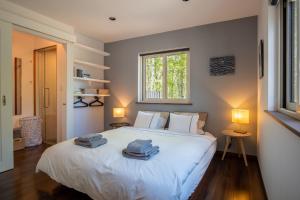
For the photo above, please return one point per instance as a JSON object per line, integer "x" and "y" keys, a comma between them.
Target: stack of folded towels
{"x": 140, "y": 149}
{"x": 91, "y": 140}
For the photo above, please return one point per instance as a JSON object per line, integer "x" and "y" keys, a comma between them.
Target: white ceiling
{"x": 139, "y": 17}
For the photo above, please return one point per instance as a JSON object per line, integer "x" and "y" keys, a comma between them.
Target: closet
{"x": 46, "y": 91}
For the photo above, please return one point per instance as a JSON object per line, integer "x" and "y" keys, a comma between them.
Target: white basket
{"x": 31, "y": 130}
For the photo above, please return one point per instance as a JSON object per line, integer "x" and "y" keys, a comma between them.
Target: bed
{"x": 103, "y": 173}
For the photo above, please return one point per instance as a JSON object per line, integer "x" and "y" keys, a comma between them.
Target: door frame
{"x": 18, "y": 17}
{"x": 65, "y": 130}
{"x": 64, "y": 75}
{"x": 65, "y": 59}
{"x": 6, "y": 90}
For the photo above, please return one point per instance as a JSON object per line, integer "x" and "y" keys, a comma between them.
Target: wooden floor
{"x": 228, "y": 179}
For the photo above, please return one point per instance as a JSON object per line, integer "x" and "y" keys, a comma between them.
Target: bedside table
{"x": 239, "y": 136}
{"x": 119, "y": 124}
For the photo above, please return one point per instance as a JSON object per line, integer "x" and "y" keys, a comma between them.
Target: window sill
{"x": 167, "y": 103}
{"x": 289, "y": 122}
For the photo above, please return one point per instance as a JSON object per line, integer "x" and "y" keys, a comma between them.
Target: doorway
{"x": 39, "y": 92}
{"x": 20, "y": 105}
{"x": 45, "y": 61}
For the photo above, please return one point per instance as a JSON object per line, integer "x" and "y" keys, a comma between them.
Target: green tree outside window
{"x": 166, "y": 76}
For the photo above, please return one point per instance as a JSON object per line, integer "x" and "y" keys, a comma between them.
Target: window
{"x": 164, "y": 77}
{"x": 290, "y": 54}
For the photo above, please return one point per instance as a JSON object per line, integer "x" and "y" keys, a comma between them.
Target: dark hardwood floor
{"x": 231, "y": 180}
{"x": 228, "y": 179}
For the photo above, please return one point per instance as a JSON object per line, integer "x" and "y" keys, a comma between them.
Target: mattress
{"x": 103, "y": 173}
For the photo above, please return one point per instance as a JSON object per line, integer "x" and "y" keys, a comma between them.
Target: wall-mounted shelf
{"x": 103, "y": 53}
{"x": 84, "y": 63}
{"x": 91, "y": 95}
{"x": 91, "y": 79}
{"x": 79, "y": 103}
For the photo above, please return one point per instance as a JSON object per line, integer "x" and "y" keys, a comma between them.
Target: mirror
{"x": 18, "y": 86}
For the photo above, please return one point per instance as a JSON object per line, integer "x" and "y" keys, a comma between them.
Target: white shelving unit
{"x": 91, "y": 80}
{"x": 78, "y": 62}
{"x": 103, "y": 53}
{"x": 88, "y": 64}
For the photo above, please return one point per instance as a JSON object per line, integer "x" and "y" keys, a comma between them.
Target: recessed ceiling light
{"x": 185, "y": 0}
{"x": 112, "y": 18}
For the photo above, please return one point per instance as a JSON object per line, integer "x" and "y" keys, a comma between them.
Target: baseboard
{"x": 261, "y": 177}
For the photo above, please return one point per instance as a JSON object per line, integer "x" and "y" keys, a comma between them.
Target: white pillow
{"x": 143, "y": 120}
{"x": 158, "y": 121}
{"x": 161, "y": 123}
{"x": 155, "y": 119}
{"x": 148, "y": 119}
{"x": 184, "y": 123}
{"x": 201, "y": 123}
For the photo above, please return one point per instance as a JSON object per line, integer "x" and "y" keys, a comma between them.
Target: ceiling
{"x": 139, "y": 17}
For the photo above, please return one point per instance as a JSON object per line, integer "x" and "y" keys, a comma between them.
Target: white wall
{"x": 278, "y": 149}
{"x": 90, "y": 119}
{"x": 23, "y": 48}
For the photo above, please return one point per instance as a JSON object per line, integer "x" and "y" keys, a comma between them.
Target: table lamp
{"x": 118, "y": 112}
{"x": 240, "y": 116}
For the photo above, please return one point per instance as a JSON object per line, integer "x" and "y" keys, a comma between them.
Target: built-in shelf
{"x": 84, "y": 63}
{"x": 91, "y": 79}
{"x": 91, "y": 95}
{"x": 103, "y": 53}
{"x": 89, "y": 64}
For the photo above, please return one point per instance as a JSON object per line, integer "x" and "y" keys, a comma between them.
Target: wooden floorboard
{"x": 224, "y": 180}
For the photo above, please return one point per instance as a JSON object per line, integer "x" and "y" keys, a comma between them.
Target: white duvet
{"x": 103, "y": 173}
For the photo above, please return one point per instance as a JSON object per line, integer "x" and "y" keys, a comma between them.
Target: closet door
{"x": 46, "y": 67}
{"x": 39, "y": 57}
{"x": 50, "y": 96}
{"x": 6, "y": 91}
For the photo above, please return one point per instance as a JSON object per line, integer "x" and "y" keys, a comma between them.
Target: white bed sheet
{"x": 103, "y": 173}
{"x": 197, "y": 174}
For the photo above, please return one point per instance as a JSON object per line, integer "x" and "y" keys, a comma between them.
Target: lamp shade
{"x": 118, "y": 112}
{"x": 240, "y": 116}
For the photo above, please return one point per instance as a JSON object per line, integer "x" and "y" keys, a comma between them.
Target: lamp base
{"x": 240, "y": 131}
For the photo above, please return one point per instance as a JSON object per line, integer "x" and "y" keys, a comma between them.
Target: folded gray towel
{"x": 90, "y": 137}
{"x": 148, "y": 152}
{"x": 137, "y": 156}
{"x": 139, "y": 146}
{"x": 92, "y": 144}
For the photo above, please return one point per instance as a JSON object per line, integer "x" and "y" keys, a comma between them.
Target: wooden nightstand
{"x": 119, "y": 124}
{"x": 239, "y": 136}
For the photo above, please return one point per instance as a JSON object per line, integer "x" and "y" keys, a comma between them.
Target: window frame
{"x": 286, "y": 105}
{"x": 142, "y": 77}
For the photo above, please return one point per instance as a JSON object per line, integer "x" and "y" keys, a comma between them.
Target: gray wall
{"x": 215, "y": 95}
